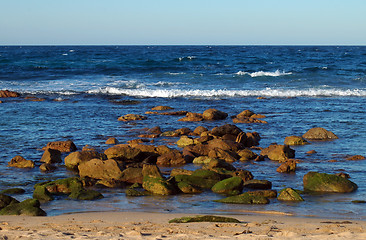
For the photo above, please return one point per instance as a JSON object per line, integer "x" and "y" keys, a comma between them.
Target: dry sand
{"x": 141, "y": 225}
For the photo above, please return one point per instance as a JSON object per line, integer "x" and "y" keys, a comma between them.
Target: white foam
{"x": 268, "y": 92}
{"x": 276, "y": 73}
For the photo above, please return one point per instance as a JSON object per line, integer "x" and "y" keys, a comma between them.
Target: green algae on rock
{"x": 323, "y": 182}
{"x": 29, "y": 207}
{"x": 289, "y": 194}
{"x": 244, "y": 198}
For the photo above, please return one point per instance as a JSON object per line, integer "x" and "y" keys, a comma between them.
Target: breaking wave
{"x": 276, "y": 73}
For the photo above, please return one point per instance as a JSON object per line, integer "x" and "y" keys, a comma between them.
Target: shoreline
{"x": 149, "y": 225}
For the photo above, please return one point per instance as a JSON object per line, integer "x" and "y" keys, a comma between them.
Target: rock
{"x": 224, "y": 145}
{"x": 42, "y": 194}
{"x": 183, "y": 131}
{"x": 8, "y": 94}
{"x": 323, "y": 182}
{"x": 176, "y": 113}
{"x": 47, "y": 167}
{"x": 155, "y": 130}
{"x": 73, "y": 160}
{"x": 192, "y": 117}
{"x": 135, "y": 193}
{"x": 355, "y": 158}
{"x": 172, "y": 158}
{"x": 20, "y": 162}
{"x": 111, "y": 140}
{"x": 289, "y": 194}
{"x": 200, "y": 178}
{"x": 226, "y": 129}
{"x": 258, "y": 184}
{"x": 86, "y": 195}
{"x": 343, "y": 175}
{"x": 101, "y": 169}
{"x": 29, "y": 207}
{"x": 230, "y": 186}
{"x": 123, "y": 152}
{"x": 248, "y": 120}
{"x": 185, "y": 187}
{"x": 6, "y": 200}
{"x": 278, "y": 152}
{"x": 199, "y": 130}
{"x": 213, "y": 114}
{"x": 132, "y": 175}
{"x": 245, "y": 113}
{"x": 243, "y": 174}
{"x": 244, "y": 198}
{"x": 62, "y": 186}
{"x": 295, "y": 140}
{"x": 180, "y": 171}
{"x": 287, "y": 167}
{"x": 157, "y": 185}
{"x": 319, "y": 134}
{"x": 161, "y": 108}
{"x": 203, "y": 160}
{"x": 185, "y": 141}
{"x": 206, "y": 218}
{"x": 311, "y": 152}
{"x": 13, "y": 191}
{"x": 264, "y": 193}
{"x": 131, "y": 117}
{"x": 246, "y": 155}
{"x": 226, "y": 155}
{"x": 51, "y": 156}
{"x": 219, "y": 163}
{"x": 62, "y": 146}
{"x": 251, "y": 139}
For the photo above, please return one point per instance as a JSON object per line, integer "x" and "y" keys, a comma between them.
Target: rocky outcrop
{"x": 20, "y": 162}
{"x": 319, "y": 133}
{"x": 323, "y": 182}
{"x": 278, "y": 152}
{"x": 62, "y": 146}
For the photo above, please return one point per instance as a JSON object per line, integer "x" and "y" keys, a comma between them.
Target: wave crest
{"x": 276, "y": 73}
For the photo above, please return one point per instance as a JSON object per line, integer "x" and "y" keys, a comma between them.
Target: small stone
{"x": 111, "y": 140}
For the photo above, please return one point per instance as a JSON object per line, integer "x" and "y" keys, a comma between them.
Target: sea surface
{"x": 86, "y": 88}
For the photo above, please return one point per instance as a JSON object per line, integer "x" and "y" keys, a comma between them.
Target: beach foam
{"x": 276, "y": 73}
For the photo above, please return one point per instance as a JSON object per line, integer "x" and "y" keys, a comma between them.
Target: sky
{"x": 188, "y": 22}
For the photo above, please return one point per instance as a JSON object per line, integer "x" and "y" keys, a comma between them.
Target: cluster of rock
{"x": 136, "y": 165}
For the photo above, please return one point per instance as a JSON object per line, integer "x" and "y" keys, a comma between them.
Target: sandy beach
{"x": 142, "y": 225}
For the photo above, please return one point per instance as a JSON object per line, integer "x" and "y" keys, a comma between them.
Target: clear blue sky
{"x": 183, "y": 22}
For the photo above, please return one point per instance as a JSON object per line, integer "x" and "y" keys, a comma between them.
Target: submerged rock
{"x": 161, "y": 108}
{"x": 258, "y": 184}
{"x": 111, "y": 140}
{"x": 323, "y": 182}
{"x": 319, "y": 133}
{"x": 295, "y": 140}
{"x": 8, "y": 94}
{"x": 131, "y": 117}
{"x": 244, "y": 198}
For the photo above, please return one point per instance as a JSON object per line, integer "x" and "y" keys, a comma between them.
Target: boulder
{"x": 172, "y": 158}
{"x": 101, "y": 169}
{"x": 132, "y": 175}
{"x": 287, "y": 167}
{"x": 243, "y": 174}
{"x": 62, "y": 146}
{"x": 47, "y": 167}
{"x": 192, "y": 117}
{"x": 203, "y": 160}
{"x": 230, "y": 186}
{"x": 42, "y": 194}
{"x": 73, "y": 160}
{"x": 28, "y": 207}
{"x": 62, "y": 186}
{"x": 20, "y": 162}
{"x": 258, "y": 184}
{"x": 6, "y": 200}
{"x": 264, "y": 193}
{"x": 226, "y": 129}
{"x": 124, "y": 152}
{"x": 157, "y": 185}
{"x": 199, "y": 130}
{"x": 226, "y": 155}
{"x": 244, "y": 198}
{"x": 289, "y": 194}
{"x": 111, "y": 140}
{"x": 248, "y": 120}
{"x": 161, "y": 108}
{"x": 278, "y": 152}
{"x": 319, "y": 133}
{"x": 51, "y": 156}
{"x": 219, "y": 163}
{"x": 187, "y": 188}
{"x": 246, "y": 155}
{"x": 131, "y": 117}
{"x": 295, "y": 140}
{"x": 249, "y": 139}
{"x": 224, "y": 145}
{"x": 213, "y": 114}
{"x": 323, "y": 182}
{"x": 8, "y": 94}
{"x": 185, "y": 141}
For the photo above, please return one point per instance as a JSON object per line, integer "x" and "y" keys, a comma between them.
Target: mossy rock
{"x": 207, "y": 174}
{"x": 157, "y": 185}
{"x": 86, "y": 195}
{"x": 323, "y": 182}
{"x": 205, "y": 218}
{"x": 230, "y": 186}
{"x": 63, "y": 186}
{"x": 29, "y": 207}
{"x": 42, "y": 194}
{"x": 289, "y": 194}
{"x": 13, "y": 191}
{"x": 188, "y": 188}
{"x": 295, "y": 140}
{"x": 196, "y": 181}
{"x": 244, "y": 198}
{"x": 6, "y": 200}
{"x": 131, "y": 192}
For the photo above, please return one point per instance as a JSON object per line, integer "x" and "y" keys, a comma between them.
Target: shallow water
{"x": 305, "y": 87}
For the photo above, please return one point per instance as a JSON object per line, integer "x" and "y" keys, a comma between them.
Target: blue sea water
{"x": 303, "y": 86}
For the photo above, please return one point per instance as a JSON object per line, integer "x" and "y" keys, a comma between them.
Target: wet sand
{"x": 142, "y": 225}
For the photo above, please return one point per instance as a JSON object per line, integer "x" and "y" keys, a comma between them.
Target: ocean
{"x": 86, "y": 88}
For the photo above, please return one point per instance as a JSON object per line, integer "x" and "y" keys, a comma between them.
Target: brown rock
{"x": 295, "y": 140}
{"x": 123, "y": 152}
{"x": 180, "y": 171}
{"x": 149, "y": 136}
{"x": 111, "y": 140}
{"x": 226, "y": 155}
{"x": 132, "y": 175}
{"x": 20, "y": 162}
{"x": 183, "y": 131}
{"x": 198, "y": 150}
{"x": 88, "y": 148}
{"x": 246, "y": 155}
{"x": 131, "y": 117}
{"x": 51, "y": 156}
{"x": 311, "y": 152}
{"x": 243, "y": 174}
{"x": 172, "y": 158}
{"x": 155, "y": 130}
{"x": 161, "y": 108}
{"x": 151, "y": 170}
{"x": 177, "y": 113}
{"x": 75, "y": 158}
{"x": 8, "y": 94}
{"x": 213, "y": 114}
{"x": 47, "y": 167}
{"x": 245, "y": 114}
{"x": 199, "y": 130}
{"x": 287, "y": 167}
{"x": 101, "y": 169}
{"x": 225, "y": 145}
{"x": 192, "y": 117}
{"x": 278, "y": 152}
{"x": 355, "y": 158}
{"x": 62, "y": 146}
{"x": 319, "y": 134}
{"x": 248, "y": 139}
{"x": 226, "y": 129}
